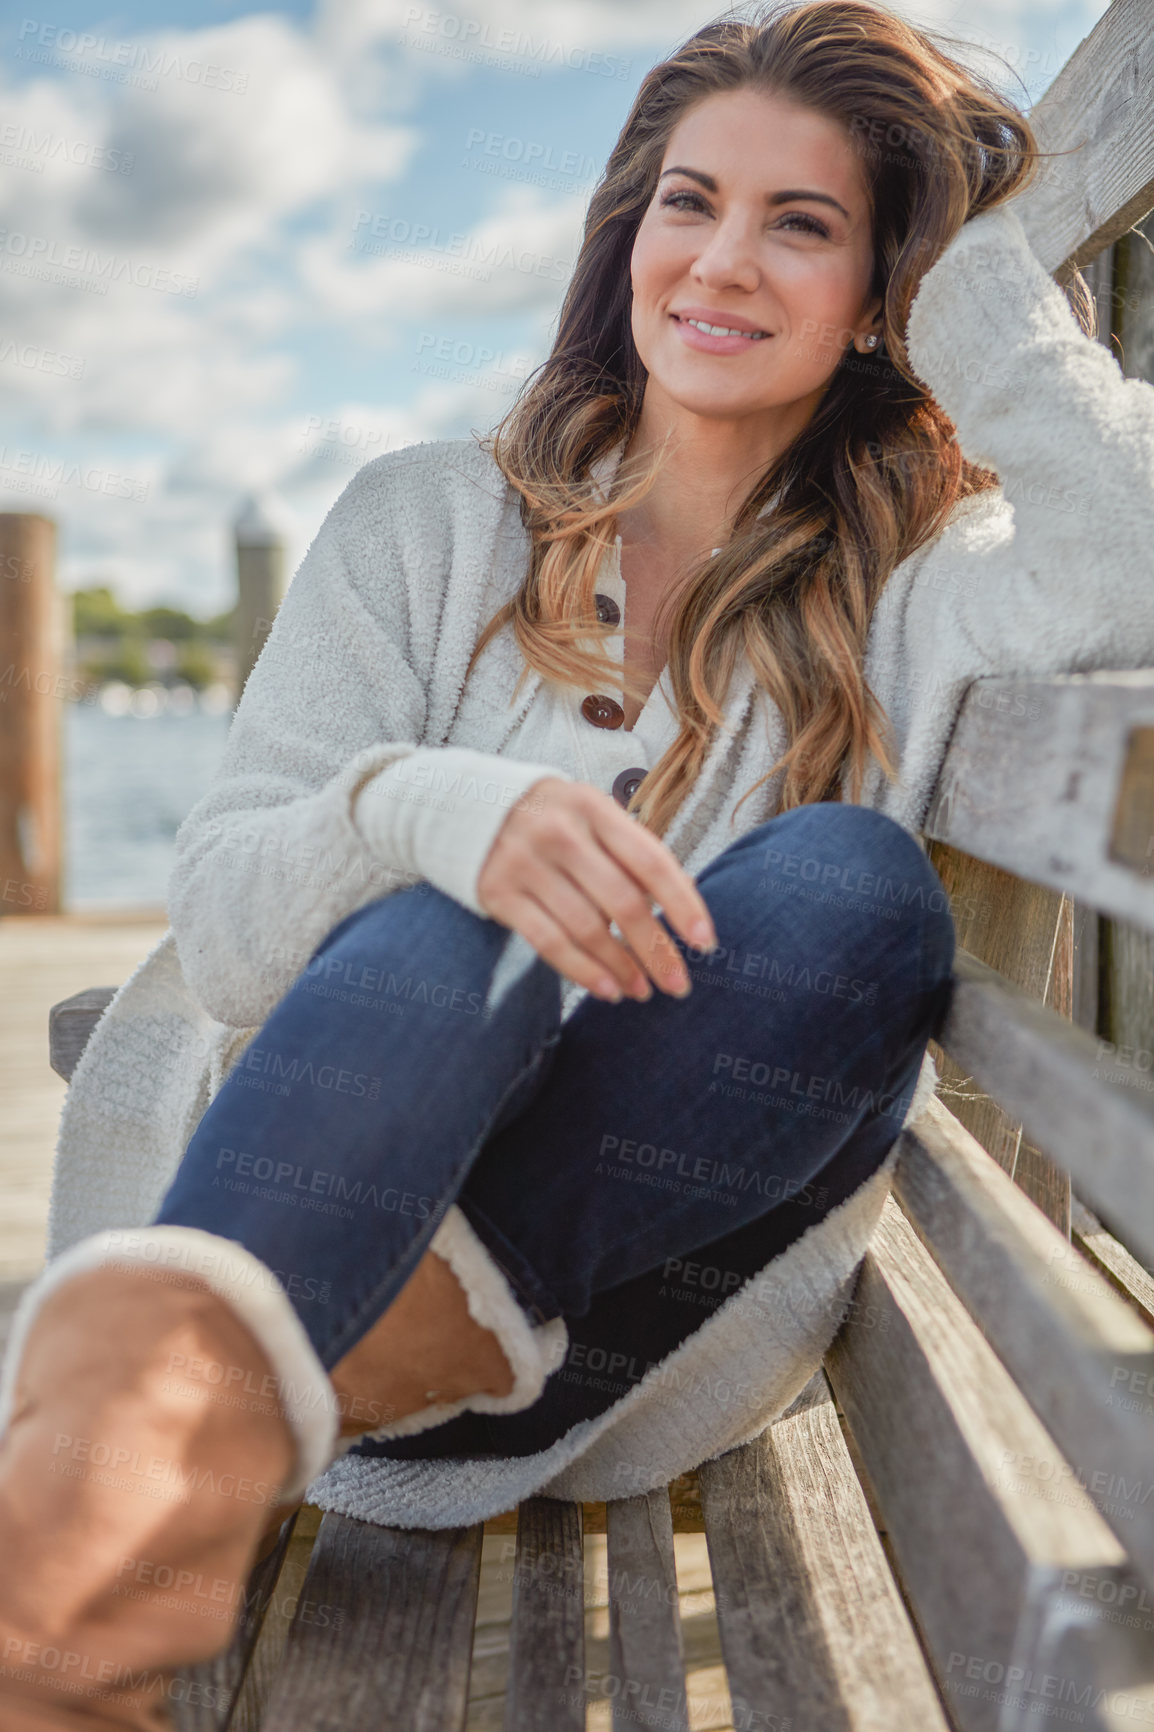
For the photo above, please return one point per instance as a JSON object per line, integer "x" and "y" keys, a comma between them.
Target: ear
{"x": 870, "y": 324}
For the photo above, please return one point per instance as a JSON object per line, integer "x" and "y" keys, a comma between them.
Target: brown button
{"x": 603, "y": 712}
{"x": 627, "y": 784}
{"x": 608, "y": 611}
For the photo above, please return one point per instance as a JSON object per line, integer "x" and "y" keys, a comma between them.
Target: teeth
{"x": 725, "y": 330}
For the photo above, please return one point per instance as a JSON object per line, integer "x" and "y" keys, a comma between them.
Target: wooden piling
{"x": 33, "y": 691}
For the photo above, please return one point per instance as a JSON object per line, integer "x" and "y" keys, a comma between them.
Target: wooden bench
{"x": 954, "y": 1525}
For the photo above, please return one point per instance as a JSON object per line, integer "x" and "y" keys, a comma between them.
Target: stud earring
{"x": 871, "y": 340}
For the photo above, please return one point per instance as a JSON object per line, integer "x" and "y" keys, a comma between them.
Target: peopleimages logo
{"x": 476, "y": 38}
{"x": 103, "y": 268}
{"x": 42, "y": 42}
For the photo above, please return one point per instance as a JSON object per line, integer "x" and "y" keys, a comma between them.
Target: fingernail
{"x": 609, "y": 989}
{"x": 703, "y": 935}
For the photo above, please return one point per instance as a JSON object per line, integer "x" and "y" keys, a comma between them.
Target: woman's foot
{"x": 143, "y": 1459}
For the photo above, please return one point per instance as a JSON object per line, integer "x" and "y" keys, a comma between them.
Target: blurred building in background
{"x": 261, "y": 579}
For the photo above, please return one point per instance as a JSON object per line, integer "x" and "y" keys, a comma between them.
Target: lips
{"x": 723, "y": 323}
{"x": 733, "y": 338}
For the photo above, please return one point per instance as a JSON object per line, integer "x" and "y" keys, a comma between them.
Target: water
{"x": 129, "y": 781}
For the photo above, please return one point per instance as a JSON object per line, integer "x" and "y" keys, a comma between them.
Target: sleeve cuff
{"x": 437, "y": 811}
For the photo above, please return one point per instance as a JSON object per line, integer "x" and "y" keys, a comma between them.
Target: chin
{"x": 714, "y": 405}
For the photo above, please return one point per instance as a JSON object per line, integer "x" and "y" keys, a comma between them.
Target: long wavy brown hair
{"x": 872, "y": 476}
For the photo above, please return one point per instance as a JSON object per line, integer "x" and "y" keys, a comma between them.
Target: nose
{"x": 729, "y": 259}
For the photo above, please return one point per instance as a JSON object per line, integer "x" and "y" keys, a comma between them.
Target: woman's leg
{"x": 338, "y": 1180}
{"x": 335, "y": 1147}
{"x": 589, "y": 1159}
{"x": 686, "y": 1141}
{"x": 159, "y": 1378}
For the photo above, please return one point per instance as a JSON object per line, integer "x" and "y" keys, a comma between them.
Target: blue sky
{"x": 247, "y": 249}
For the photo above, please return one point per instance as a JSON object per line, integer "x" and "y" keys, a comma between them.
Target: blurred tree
{"x": 125, "y": 661}
{"x": 97, "y": 613}
{"x": 169, "y": 622}
{"x": 118, "y": 644}
{"x": 196, "y": 664}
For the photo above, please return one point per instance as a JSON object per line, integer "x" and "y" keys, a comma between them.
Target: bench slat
{"x": 1032, "y": 782}
{"x": 70, "y": 1026}
{"x": 383, "y": 1632}
{"x": 812, "y": 1624}
{"x": 264, "y": 1662}
{"x": 1124, "y": 1272}
{"x": 547, "y": 1636}
{"x": 1065, "y": 1336}
{"x": 202, "y": 1697}
{"x": 644, "y": 1624}
{"x": 989, "y": 1529}
{"x": 1100, "y": 106}
{"x": 1026, "y": 931}
{"x": 1048, "y": 1073}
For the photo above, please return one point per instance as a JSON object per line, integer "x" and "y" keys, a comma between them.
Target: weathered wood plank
{"x": 1132, "y": 296}
{"x": 813, "y": 1628}
{"x": 1032, "y": 779}
{"x": 547, "y": 1640}
{"x": 1124, "y": 1272}
{"x": 1086, "y": 939}
{"x": 1050, "y": 1074}
{"x": 70, "y": 1025}
{"x": 202, "y": 1697}
{"x": 1025, "y": 931}
{"x": 966, "y": 1474}
{"x": 383, "y": 1632}
{"x": 1071, "y": 1344}
{"x": 645, "y": 1653}
{"x": 1100, "y": 108}
{"x": 264, "y": 1663}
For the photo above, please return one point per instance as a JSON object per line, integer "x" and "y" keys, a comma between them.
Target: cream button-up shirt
{"x": 553, "y": 727}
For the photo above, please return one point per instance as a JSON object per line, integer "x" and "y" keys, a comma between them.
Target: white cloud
{"x": 215, "y": 179}
{"x": 519, "y": 259}
{"x": 251, "y": 193}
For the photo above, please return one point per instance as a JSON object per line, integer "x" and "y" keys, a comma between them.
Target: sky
{"x": 244, "y": 250}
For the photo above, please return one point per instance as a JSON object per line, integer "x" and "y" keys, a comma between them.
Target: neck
{"x": 709, "y": 469}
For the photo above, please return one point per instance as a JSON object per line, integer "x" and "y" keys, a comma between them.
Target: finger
{"x": 524, "y": 914}
{"x": 660, "y": 874}
{"x": 568, "y": 896}
{"x": 615, "y": 895}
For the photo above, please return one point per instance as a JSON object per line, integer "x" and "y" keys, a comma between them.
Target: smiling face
{"x": 760, "y": 222}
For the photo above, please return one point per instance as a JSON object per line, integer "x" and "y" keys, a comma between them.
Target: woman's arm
{"x": 281, "y": 847}
{"x": 1072, "y": 441}
{"x": 325, "y": 799}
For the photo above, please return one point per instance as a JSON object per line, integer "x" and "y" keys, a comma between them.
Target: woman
{"x": 421, "y": 1133}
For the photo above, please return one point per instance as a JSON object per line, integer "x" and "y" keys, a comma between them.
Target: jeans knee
{"x": 852, "y": 867}
{"x": 418, "y": 912}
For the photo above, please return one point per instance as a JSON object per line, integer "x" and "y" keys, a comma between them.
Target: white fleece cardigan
{"x": 365, "y": 668}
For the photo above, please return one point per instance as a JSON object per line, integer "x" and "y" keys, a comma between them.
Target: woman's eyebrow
{"x": 787, "y": 197}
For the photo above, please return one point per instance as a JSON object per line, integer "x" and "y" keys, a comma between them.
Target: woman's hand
{"x": 570, "y": 862}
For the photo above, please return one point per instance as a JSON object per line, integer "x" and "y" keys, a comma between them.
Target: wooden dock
{"x": 44, "y": 958}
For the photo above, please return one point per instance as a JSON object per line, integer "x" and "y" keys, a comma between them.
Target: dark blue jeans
{"x": 628, "y": 1170}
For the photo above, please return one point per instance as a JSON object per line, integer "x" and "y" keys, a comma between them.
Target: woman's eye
{"x": 801, "y": 221}
{"x": 810, "y": 224}
{"x": 683, "y": 200}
